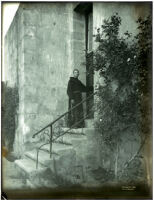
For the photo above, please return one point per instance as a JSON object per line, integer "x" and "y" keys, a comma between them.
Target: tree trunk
{"x": 116, "y": 162}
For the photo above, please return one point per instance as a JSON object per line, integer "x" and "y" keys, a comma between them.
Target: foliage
{"x": 124, "y": 62}
{"x": 144, "y": 62}
{"x": 134, "y": 172}
{"x": 9, "y": 108}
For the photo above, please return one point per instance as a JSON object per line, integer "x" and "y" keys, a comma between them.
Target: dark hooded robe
{"x": 74, "y": 90}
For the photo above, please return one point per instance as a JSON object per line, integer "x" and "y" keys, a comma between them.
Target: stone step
{"x": 35, "y": 178}
{"x": 43, "y": 158}
{"x": 30, "y": 145}
{"x": 69, "y": 138}
{"x": 30, "y": 184}
{"x": 89, "y": 123}
{"x": 57, "y": 148}
{"x": 75, "y": 130}
{"x": 27, "y": 167}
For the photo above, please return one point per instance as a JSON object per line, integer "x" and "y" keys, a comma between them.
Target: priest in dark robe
{"x": 74, "y": 90}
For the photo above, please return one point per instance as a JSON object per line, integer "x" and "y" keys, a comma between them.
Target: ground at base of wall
{"x": 14, "y": 181}
{"x": 11, "y": 179}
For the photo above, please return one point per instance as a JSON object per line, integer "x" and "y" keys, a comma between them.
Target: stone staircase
{"x": 71, "y": 157}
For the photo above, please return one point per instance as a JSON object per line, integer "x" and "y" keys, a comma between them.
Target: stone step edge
{"x": 62, "y": 142}
{"x": 19, "y": 164}
{"x": 67, "y": 139}
{"x": 57, "y": 152}
{"x": 31, "y": 156}
{"x": 80, "y": 131}
{"x": 76, "y": 130}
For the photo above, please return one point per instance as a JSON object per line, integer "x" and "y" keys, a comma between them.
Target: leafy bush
{"x": 9, "y": 108}
{"x": 124, "y": 62}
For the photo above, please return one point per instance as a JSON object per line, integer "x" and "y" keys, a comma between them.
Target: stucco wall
{"x": 49, "y": 44}
{"x": 11, "y": 43}
{"x": 47, "y": 62}
{"x": 79, "y": 44}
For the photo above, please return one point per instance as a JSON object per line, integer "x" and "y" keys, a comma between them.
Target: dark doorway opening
{"x": 86, "y": 9}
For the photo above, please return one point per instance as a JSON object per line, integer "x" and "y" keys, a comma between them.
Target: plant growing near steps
{"x": 10, "y": 101}
{"x": 124, "y": 62}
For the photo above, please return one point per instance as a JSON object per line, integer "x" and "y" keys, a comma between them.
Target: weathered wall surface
{"x": 47, "y": 62}
{"x": 78, "y": 42}
{"x": 48, "y": 43}
{"x": 11, "y": 44}
{"x": 47, "y": 56}
{"x": 129, "y": 13}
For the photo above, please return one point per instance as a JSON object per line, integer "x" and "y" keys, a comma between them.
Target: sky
{"x": 8, "y": 12}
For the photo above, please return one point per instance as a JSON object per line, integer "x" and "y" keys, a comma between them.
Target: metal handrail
{"x": 52, "y": 140}
{"x": 64, "y": 114}
{"x": 67, "y": 131}
{"x": 51, "y": 126}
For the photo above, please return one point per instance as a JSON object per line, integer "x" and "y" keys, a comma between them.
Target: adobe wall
{"x": 47, "y": 62}
{"x": 11, "y": 43}
{"x": 50, "y": 42}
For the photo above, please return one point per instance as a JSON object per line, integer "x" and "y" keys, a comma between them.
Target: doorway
{"x": 89, "y": 61}
{"x": 85, "y": 11}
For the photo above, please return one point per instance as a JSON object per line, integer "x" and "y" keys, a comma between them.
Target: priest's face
{"x": 76, "y": 73}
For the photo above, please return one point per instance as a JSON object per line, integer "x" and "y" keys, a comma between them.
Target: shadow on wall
{"x": 10, "y": 101}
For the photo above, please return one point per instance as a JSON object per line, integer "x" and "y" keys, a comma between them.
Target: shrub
{"x": 125, "y": 98}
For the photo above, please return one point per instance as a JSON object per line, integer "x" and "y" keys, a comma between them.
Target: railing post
{"x": 51, "y": 134}
{"x": 37, "y": 152}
